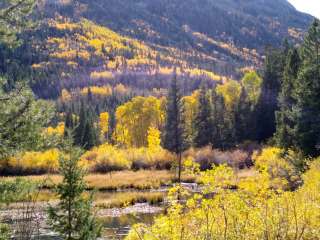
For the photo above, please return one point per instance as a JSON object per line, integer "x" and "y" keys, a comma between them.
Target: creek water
{"x": 117, "y": 228}
{"x": 114, "y": 228}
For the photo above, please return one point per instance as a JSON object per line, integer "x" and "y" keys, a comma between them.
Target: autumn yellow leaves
{"x": 256, "y": 210}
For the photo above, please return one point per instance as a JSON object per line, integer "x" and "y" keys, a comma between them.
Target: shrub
{"x": 254, "y": 211}
{"x": 204, "y": 157}
{"x": 273, "y": 161}
{"x": 34, "y": 162}
{"x": 106, "y": 158}
{"x": 236, "y": 158}
{"x": 150, "y": 158}
{"x": 311, "y": 178}
{"x": 4, "y": 232}
{"x": 207, "y": 157}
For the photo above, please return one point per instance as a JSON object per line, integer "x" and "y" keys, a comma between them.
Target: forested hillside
{"x": 223, "y": 30}
{"x": 198, "y": 118}
{"x": 80, "y": 54}
{"x": 76, "y": 44}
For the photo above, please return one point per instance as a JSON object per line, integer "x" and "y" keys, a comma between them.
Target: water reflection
{"x": 119, "y": 227}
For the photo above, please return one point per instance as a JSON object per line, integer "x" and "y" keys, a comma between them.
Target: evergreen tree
{"x": 307, "y": 95}
{"x": 73, "y": 216}
{"x": 112, "y": 126}
{"x": 174, "y": 136}
{"x": 218, "y": 113}
{"x": 22, "y": 119}
{"x": 22, "y": 116}
{"x": 89, "y": 95}
{"x": 86, "y": 133}
{"x": 244, "y": 119}
{"x": 268, "y": 101}
{"x": 284, "y": 117}
{"x": 89, "y": 135}
{"x": 246, "y": 111}
{"x": 69, "y": 124}
{"x": 13, "y": 19}
{"x": 80, "y": 129}
{"x": 203, "y": 121}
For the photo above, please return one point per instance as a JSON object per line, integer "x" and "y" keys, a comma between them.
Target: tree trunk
{"x": 180, "y": 167}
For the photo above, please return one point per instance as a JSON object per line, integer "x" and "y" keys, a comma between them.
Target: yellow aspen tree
{"x": 134, "y": 119}
{"x": 154, "y": 139}
{"x": 190, "y": 105}
{"x": 231, "y": 92}
{"x": 104, "y": 124}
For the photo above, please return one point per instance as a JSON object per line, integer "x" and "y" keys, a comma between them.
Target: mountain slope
{"x": 89, "y": 42}
{"x": 249, "y": 23}
{"x": 69, "y": 54}
{"x": 242, "y": 24}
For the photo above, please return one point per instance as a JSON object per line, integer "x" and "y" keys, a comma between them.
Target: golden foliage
{"x": 59, "y": 130}
{"x": 135, "y": 118}
{"x": 192, "y": 72}
{"x": 99, "y": 91}
{"x": 106, "y": 158}
{"x": 253, "y": 211}
{"x": 154, "y": 139}
{"x": 272, "y": 160}
{"x": 65, "y": 26}
{"x": 231, "y": 92}
{"x": 36, "y": 161}
{"x": 101, "y": 75}
{"x": 204, "y": 73}
{"x": 86, "y": 43}
{"x": 252, "y": 84}
{"x": 92, "y": 41}
{"x": 104, "y": 123}
{"x": 112, "y": 65}
{"x": 190, "y": 107}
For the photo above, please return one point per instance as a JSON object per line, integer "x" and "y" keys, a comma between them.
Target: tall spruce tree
{"x": 268, "y": 101}
{"x": 86, "y": 134}
{"x": 244, "y": 119}
{"x": 203, "y": 121}
{"x": 284, "y": 117}
{"x": 73, "y": 217}
{"x": 112, "y": 126}
{"x": 89, "y": 135}
{"x": 307, "y": 95}
{"x": 80, "y": 128}
{"x": 174, "y": 138}
{"x": 69, "y": 123}
{"x": 218, "y": 113}
{"x": 89, "y": 95}
{"x": 22, "y": 116}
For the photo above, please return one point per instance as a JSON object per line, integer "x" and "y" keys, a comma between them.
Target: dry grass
{"x": 46, "y": 196}
{"x": 123, "y": 199}
{"x": 134, "y": 182}
{"x": 140, "y": 180}
{"x": 113, "y": 199}
{"x": 105, "y": 199}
